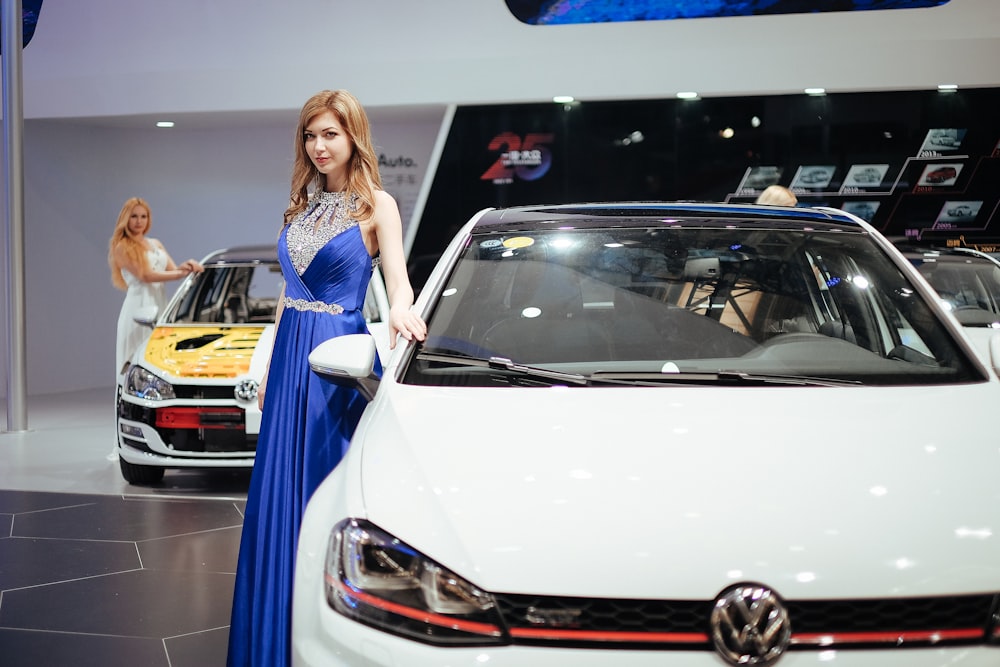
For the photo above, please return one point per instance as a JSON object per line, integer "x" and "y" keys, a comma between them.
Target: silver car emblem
{"x": 750, "y": 625}
{"x": 246, "y": 390}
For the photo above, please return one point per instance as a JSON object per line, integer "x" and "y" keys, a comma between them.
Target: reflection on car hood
{"x": 202, "y": 352}
{"x": 678, "y": 492}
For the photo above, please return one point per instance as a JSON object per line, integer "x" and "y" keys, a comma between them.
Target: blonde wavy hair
{"x": 130, "y": 245}
{"x": 363, "y": 177}
{"x": 777, "y": 195}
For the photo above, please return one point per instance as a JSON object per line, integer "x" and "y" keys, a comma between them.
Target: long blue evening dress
{"x": 307, "y": 422}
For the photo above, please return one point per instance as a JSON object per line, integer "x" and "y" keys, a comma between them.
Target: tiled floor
{"x": 94, "y": 571}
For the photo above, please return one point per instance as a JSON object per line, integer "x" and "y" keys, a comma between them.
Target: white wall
{"x": 108, "y": 57}
{"x": 208, "y": 189}
{"x": 234, "y": 73}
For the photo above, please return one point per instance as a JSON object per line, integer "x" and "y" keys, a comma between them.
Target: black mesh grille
{"x": 604, "y": 615}
{"x": 204, "y": 391}
{"x": 686, "y": 624}
{"x": 910, "y": 614}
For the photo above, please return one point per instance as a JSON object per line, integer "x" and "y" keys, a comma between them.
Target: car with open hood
{"x": 656, "y": 434}
{"x": 188, "y": 397}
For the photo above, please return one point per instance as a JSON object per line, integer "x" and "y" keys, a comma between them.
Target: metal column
{"x": 11, "y": 18}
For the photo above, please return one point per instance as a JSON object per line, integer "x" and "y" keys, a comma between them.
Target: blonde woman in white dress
{"x": 139, "y": 265}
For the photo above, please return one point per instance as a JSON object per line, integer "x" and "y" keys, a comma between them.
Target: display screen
{"x": 29, "y": 14}
{"x": 554, "y": 12}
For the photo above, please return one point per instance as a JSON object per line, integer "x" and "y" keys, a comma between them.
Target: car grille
{"x": 219, "y": 431}
{"x": 201, "y": 391}
{"x": 659, "y": 624}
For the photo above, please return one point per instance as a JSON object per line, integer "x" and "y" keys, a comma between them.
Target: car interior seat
{"x": 546, "y": 319}
{"x": 236, "y": 310}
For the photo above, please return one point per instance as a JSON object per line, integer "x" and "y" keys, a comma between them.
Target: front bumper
{"x": 328, "y": 639}
{"x": 187, "y": 433}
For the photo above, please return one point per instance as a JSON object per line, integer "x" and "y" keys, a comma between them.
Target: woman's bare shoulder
{"x": 382, "y": 195}
{"x": 384, "y": 202}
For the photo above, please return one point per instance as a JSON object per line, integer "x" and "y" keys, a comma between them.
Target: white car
{"x": 650, "y": 434}
{"x": 968, "y": 282}
{"x": 188, "y": 398}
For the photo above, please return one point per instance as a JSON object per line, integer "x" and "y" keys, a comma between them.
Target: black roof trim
{"x": 638, "y": 213}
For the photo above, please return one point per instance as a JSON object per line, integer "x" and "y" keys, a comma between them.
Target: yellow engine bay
{"x": 203, "y": 352}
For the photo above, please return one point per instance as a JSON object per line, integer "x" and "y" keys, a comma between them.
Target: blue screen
{"x": 29, "y": 15}
{"x": 554, "y": 12}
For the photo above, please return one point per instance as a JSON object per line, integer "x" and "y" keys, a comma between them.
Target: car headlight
{"x": 378, "y": 580}
{"x": 143, "y": 384}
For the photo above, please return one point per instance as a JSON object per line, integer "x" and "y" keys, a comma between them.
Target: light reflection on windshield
{"x": 790, "y": 302}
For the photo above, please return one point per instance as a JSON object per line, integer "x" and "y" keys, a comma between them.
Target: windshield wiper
{"x": 504, "y": 364}
{"x": 742, "y": 378}
{"x": 641, "y": 378}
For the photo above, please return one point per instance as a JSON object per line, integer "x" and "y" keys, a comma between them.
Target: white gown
{"x": 138, "y": 296}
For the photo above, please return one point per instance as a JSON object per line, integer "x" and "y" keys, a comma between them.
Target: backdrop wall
{"x": 122, "y": 57}
{"x": 234, "y": 72}
{"x": 208, "y": 189}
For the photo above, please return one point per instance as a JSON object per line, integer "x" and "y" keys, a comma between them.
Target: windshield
{"x": 968, "y": 285}
{"x": 669, "y": 302}
{"x": 228, "y": 294}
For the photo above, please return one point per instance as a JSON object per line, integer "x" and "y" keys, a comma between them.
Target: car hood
{"x": 204, "y": 352}
{"x": 679, "y": 492}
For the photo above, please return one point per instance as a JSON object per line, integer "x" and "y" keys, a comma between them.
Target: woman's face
{"x": 329, "y": 148}
{"x": 138, "y": 220}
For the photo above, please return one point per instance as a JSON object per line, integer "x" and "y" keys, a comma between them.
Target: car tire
{"x": 135, "y": 474}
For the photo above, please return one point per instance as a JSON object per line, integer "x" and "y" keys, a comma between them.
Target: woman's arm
{"x": 147, "y": 275}
{"x": 191, "y": 266}
{"x": 389, "y": 236}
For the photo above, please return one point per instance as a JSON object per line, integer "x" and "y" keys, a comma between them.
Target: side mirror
{"x": 146, "y": 316}
{"x": 348, "y": 361}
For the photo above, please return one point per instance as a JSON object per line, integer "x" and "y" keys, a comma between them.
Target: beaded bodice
{"x": 327, "y": 215}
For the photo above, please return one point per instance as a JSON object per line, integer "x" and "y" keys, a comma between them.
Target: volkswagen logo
{"x": 246, "y": 390}
{"x": 749, "y": 625}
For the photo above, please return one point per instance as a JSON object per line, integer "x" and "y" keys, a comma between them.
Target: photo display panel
{"x": 919, "y": 164}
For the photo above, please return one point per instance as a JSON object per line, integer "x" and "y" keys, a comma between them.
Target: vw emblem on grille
{"x": 750, "y": 625}
{"x": 246, "y": 390}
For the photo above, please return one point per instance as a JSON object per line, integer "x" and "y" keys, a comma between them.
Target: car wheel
{"x": 134, "y": 474}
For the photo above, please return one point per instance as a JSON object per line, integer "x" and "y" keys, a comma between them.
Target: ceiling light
{"x": 687, "y": 95}
{"x": 815, "y": 91}
{"x": 563, "y": 99}
{"x": 164, "y": 123}
{"x": 948, "y": 87}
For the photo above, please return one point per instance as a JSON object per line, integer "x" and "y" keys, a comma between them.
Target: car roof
{"x": 642, "y": 214}
{"x": 942, "y": 254}
{"x": 250, "y": 254}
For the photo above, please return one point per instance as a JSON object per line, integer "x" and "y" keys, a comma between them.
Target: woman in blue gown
{"x": 339, "y": 219}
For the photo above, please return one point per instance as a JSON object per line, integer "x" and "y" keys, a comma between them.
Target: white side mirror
{"x": 146, "y": 316}
{"x": 347, "y": 360}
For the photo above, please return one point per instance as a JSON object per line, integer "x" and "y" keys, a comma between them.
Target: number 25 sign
{"x": 529, "y": 159}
